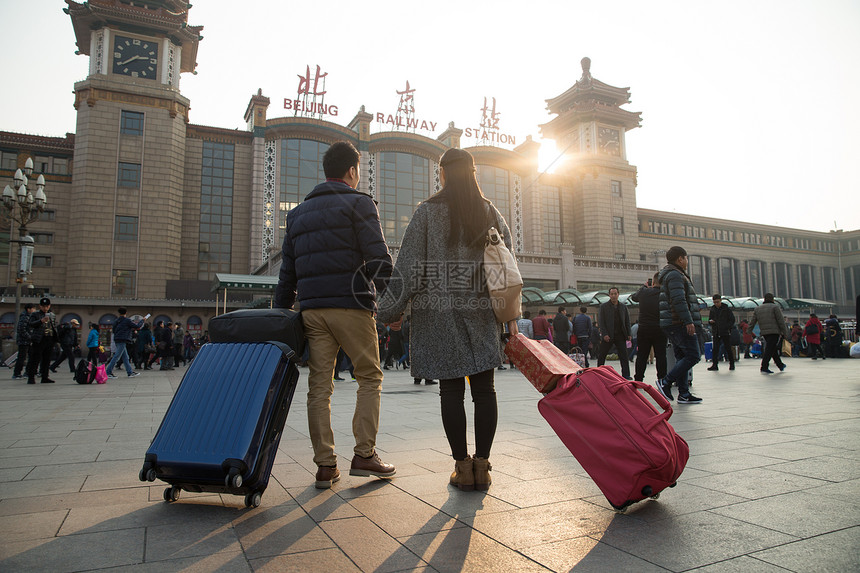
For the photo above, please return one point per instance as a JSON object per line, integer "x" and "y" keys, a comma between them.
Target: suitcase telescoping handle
{"x": 652, "y": 391}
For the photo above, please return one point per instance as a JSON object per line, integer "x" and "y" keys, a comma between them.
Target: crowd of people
{"x": 44, "y": 344}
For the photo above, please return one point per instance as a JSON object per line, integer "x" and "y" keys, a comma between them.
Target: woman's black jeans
{"x": 452, "y": 393}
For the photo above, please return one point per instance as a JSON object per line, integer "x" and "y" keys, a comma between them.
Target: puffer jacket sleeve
{"x": 406, "y": 278}
{"x": 285, "y": 292}
{"x": 371, "y": 242}
{"x": 23, "y": 330}
{"x": 678, "y": 297}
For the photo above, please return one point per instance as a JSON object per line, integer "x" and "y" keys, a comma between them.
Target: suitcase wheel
{"x": 233, "y": 480}
{"x": 147, "y": 474}
{"x": 656, "y": 496}
{"x": 253, "y": 499}
{"x": 172, "y": 493}
{"x": 647, "y": 491}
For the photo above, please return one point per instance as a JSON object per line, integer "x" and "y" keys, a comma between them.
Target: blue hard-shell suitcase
{"x": 222, "y": 428}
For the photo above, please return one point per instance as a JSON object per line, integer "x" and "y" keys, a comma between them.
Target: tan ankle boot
{"x": 463, "y": 476}
{"x": 482, "y": 474}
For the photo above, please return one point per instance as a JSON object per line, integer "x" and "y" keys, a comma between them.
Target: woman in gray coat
{"x": 454, "y": 332}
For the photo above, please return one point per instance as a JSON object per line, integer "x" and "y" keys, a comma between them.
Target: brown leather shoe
{"x": 463, "y": 476}
{"x": 371, "y": 466}
{"x": 327, "y": 475}
{"x": 482, "y": 469}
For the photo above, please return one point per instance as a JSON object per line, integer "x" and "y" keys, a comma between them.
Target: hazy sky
{"x": 749, "y": 108}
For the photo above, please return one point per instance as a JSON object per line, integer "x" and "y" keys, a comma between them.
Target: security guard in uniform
{"x": 43, "y": 326}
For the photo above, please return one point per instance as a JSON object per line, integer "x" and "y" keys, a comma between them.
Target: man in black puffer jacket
{"x": 335, "y": 261}
{"x": 679, "y": 315}
{"x": 650, "y": 335}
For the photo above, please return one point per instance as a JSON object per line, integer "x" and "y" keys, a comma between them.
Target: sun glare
{"x": 548, "y": 156}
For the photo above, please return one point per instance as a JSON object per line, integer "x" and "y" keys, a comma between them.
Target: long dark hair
{"x": 469, "y": 212}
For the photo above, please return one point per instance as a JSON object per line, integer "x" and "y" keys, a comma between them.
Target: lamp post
{"x": 24, "y": 207}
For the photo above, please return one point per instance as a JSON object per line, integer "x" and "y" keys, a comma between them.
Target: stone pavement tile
{"x": 31, "y": 525}
{"x": 9, "y": 455}
{"x": 720, "y": 462}
{"x": 841, "y": 490}
{"x": 459, "y": 504}
{"x": 761, "y": 438}
{"x": 587, "y": 555}
{"x": 800, "y": 514}
{"x": 407, "y": 469}
{"x": 400, "y": 514}
{"x": 682, "y": 499}
{"x": 182, "y": 513}
{"x": 829, "y": 468}
{"x": 692, "y": 540}
{"x": 84, "y": 552}
{"x": 521, "y": 528}
{"x": 15, "y": 474}
{"x": 846, "y": 441}
{"x": 553, "y": 450}
{"x": 224, "y": 561}
{"x": 528, "y": 469}
{"x": 279, "y": 530}
{"x": 423, "y": 484}
{"x": 466, "y": 550}
{"x": 706, "y": 446}
{"x": 835, "y": 552}
{"x": 350, "y": 487}
{"x": 45, "y": 471}
{"x": 323, "y": 561}
{"x": 791, "y": 451}
{"x": 40, "y": 487}
{"x": 756, "y": 483}
{"x": 742, "y": 564}
{"x": 542, "y": 491}
{"x": 165, "y": 542}
{"x": 23, "y": 505}
{"x": 322, "y": 504}
{"x": 372, "y": 549}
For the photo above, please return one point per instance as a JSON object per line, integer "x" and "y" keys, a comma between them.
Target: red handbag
{"x": 540, "y": 361}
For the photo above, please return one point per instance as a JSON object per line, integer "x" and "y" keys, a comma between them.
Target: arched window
{"x": 403, "y": 181}
{"x": 755, "y": 279}
{"x": 301, "y": 171}
{"x": 69, "y": 316}
{"x": 495, "y": 183}
{"x": 194, "y": 325}
{"x": 7, "y": 324}
{"x": 698, "y": 269}
{"x": 782, "y": 280}
{"x": 806, "y": 274}
{"x": 728, "y": 275}
{"x": 161, "y": 317}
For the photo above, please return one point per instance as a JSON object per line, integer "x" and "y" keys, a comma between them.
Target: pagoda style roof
{"x": 166, "y": 18}
{"x": 590, "y": 99}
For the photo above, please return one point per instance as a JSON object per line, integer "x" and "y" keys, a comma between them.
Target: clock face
{"x": 609, "y": 141}
{"x": 135, "y": 58}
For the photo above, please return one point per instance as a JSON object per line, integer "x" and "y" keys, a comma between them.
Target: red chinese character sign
{"x": 310, "y": 96}
{"x": 406, "y": 108}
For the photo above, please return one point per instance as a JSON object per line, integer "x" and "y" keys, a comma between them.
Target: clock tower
{"x": 599, "y": 215}
{"x": 125, "y": 232}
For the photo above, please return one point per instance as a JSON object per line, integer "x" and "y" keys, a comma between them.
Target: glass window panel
{"x": 216, "y": 199}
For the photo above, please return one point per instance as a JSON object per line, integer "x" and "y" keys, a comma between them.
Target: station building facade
{"x": 146, "y": 208}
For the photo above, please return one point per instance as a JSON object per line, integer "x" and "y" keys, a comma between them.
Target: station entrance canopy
{"x": 249, "y": 284}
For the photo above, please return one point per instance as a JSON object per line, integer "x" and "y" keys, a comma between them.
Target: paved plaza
{"x": 773, "y": 484}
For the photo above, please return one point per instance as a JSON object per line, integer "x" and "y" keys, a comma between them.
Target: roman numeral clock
{"x": 135, "y": 57}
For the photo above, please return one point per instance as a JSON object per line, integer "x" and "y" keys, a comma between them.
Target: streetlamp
{"x": 23, "y": 207}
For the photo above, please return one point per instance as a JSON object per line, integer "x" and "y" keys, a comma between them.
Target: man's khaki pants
{"x": 328, "y": 329}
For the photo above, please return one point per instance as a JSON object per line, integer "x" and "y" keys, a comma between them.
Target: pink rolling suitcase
{"x": 626, "y": 446}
